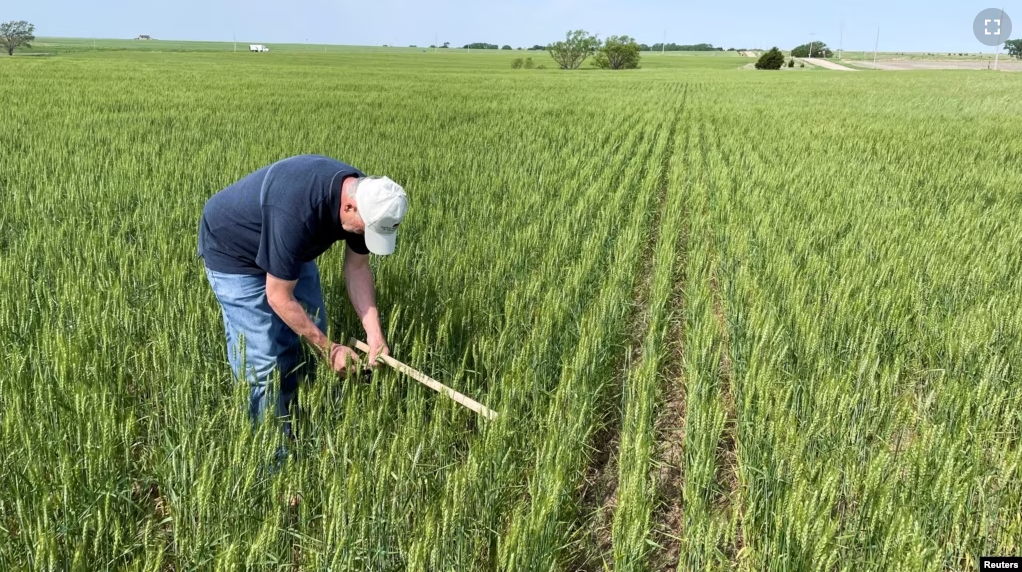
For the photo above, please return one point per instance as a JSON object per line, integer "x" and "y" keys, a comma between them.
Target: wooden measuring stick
{"x": 429, "y": 382}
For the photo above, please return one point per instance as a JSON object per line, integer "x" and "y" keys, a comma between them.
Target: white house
{"x": 258, "y": 48}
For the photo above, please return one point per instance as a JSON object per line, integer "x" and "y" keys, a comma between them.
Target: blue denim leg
{"x": 259, "y": 344}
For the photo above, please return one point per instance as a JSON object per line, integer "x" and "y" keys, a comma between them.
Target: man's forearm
{"x": 362, "y": 293}
{"x": 292, "y": 313}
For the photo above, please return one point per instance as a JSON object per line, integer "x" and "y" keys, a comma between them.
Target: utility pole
{"x": 875, "y": 47}
{"x": 997, "y": 56}
{"x": 841, "y": 43}
{"x": 811, "y": 36}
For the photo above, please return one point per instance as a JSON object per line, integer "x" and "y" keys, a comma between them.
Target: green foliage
{"x": 819, "y": 50}
{"x": 517, "y": 63}
{"x": 770, "y": 60}
{"x": 791, "y": 63}
{"x": 570, "y": 52}
{"x": 481, "y": 46}
{"x": 14, "y": 35}
{"x": 529, "y": 64}
{"x": 618, "y": 53}
{"x": 1014, "y": 48}
{"x": 506, "y": 47}
{"x": 672, "y": 47}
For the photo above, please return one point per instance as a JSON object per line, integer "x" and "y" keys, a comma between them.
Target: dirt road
{"x": 825, "y": 64}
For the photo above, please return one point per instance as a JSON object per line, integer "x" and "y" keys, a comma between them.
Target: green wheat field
{"x": 731, "y": 320}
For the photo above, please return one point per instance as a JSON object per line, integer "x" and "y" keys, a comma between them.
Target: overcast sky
{"x": 936, "y": 25}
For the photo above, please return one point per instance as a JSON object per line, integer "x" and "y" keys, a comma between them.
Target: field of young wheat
{"x": 730, "y": 319}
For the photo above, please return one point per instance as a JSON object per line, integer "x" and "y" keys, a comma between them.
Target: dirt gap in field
{"x": 727, "y": 452}
{"x": 729, "y": 501}
{"x": 599, "y": 490}
{"x": 156, "y": 506}
{"x": 669, "y": 457}
{"x": 599, "y": 497}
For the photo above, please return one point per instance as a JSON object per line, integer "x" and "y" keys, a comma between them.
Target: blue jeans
{"x": 260, "y": 346}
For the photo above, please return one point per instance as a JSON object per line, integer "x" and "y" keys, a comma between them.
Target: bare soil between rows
{"x": 599, "y": 495}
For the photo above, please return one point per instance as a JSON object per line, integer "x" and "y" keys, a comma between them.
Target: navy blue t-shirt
{"x": 277, "y": 218}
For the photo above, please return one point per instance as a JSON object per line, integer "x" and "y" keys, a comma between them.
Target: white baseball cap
{"x": 382, "y": 204}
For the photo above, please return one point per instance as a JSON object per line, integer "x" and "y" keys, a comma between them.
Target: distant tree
{"x": 432, "y": 46}
{"x": 538, "y": 48}
{"x": 413, "y": 46}
{"x": 529, "y": 64}
{"x": 14, "y": 35}
{"x": 446, "y": 45}
{"x": 480, "y": 46}
{"x": 644, "y": 48}
{"x": 730, "y": 49}
{"x": 771, "y": 60}
{"x": 517, "y": 63}
{"x": 1014, "y": 48}
{"x": 791, "y": 63}
{"x": 506, "y": 47}
{"x": 672, "y": 47}
{"x": 819, "y": 50}
{"x": 618, "y": 53}
{"x": 519, "y": 48}
{"x": 570, "y": 52}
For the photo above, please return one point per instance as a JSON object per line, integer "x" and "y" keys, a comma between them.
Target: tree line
{"x": 672, "y": 47}
{"x": 485, "y": 46}
{"x": 659, "y": 47}
{"x": 813, "y": 50}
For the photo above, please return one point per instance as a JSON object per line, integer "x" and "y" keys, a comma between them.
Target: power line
{"x": 876, "y": 47}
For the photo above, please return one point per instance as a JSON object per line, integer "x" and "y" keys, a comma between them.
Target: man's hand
{"x": 359, "y": 279}
{"x": 340, "y": 356}
{"x": 377, "y": 347}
